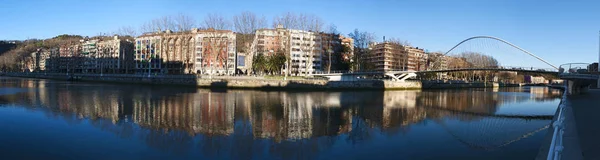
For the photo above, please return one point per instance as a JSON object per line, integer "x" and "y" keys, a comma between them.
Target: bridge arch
{"x": 503, "y": 41}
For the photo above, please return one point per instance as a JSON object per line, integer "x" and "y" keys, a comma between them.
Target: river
{"x": 47, "y": 119}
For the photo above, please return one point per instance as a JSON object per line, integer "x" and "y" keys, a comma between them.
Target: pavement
{"x": 586, "y": 113}
{"x": 571, "y": 142}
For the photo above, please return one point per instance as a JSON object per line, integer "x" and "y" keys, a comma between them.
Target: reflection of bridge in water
{"x": 166, "y": 114}
{"x": 493, "y": 131}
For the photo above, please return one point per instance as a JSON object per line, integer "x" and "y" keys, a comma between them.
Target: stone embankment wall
{"x": 253, "y": 82}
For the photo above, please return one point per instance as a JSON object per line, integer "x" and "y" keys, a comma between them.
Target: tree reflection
{"x": 244, "y": 124}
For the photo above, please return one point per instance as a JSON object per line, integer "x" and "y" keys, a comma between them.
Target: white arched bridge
{"x": 402, "y": 75}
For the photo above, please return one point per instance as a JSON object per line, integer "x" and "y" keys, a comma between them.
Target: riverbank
{"x": 249, "y": 82}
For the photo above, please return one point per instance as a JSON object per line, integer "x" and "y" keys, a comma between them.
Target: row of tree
{"x": 244, "y": 24}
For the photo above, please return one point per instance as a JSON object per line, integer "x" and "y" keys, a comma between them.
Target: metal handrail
{"x": 556, "y": 146}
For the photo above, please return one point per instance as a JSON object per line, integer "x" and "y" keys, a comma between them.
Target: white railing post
{"x": 556, "y": 146}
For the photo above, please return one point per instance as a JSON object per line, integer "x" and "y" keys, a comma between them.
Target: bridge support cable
{"x": 505, "y": 42}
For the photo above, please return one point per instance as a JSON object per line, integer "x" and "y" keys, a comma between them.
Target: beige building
{"x": 417, "y": 59}
{"x": 115, "y": 55}
{"x": 106, "y": 55}
{"x": 386, "y": 56}
{"x": 392, "y": 56}
{"x": 303, "y": 47}
{"x": 348, "y": 42}
{"x": 192, "y": 52}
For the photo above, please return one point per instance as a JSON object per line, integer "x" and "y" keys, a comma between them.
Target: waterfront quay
{"x": 252, "y": 82}
{"x": 581, "y": 136}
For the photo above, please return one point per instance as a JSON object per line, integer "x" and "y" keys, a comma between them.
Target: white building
{"x": 305, "y": 52}
{"x": 215, "y": 52}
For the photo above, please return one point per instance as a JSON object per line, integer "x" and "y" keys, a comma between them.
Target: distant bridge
{"x": 403, "y": 75}
{"x": 578, "y": 76}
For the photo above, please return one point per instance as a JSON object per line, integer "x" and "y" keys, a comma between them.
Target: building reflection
{"x": 174, "y": 116}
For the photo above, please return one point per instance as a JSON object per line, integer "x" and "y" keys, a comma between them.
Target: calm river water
{"x": 46, "y": 119}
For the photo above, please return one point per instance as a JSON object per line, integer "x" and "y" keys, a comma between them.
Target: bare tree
{"x": 287, "y": 20}
{"x": 399, "y": 41}
{"x": 126, "y": 31}
{"x": 247, "y": 22}
{"x": 217, "y": 41}
{"x": 216, "y": 21}
{"x": 329, "y": 46}
{"x": 361, "y": 46}
{"x": 184, "y": 22}
{"x": 313, "y": 24}
{"x": 159, "y": 24}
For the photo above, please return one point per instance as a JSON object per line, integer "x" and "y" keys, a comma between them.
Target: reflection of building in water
{"x": 276, "y": 115}
{"x": 206, "y": 113}
{"x": 461, "y": 100}
{"x": 297, "y": 112}
{"x": 299, "y": 115}
{"x": 216, "y": 113}
{"x": 400, "y": 99}
{"x": 399, "y": 109}
{"x": 544, "y": 93}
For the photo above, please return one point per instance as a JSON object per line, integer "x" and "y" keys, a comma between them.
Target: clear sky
{"x": 558, "y": 31}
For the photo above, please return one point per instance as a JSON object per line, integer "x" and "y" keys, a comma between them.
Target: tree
{"x": 331, "y": 48}
{"x": 177, "y": 23}
{"x": 276, "y": 62}
{"x": 288, "y": 20}
{"x": 126, "y": 31}
{"x": 216, "y": 21}
{"x": 247, "y": 22}
{"x": 258, "y": 64}
{"x": 217, "y": 40}
{"x": 184, "y": 23}
{"x": 305, "y": 22}
{"x": 361, "y": 46}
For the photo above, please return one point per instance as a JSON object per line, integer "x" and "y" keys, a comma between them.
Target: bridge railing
{"x": 556, "y": 145}
{"x": 574, "y": 68}
{"x": 499, "y": 67}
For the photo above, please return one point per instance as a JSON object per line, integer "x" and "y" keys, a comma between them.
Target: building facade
{"x": 386, "y": 56}
{"x": 215, "y": 52}
{"x": 306, "y": 52}
{"x": 191, "y": 52}
{"x": 417, "y": 58}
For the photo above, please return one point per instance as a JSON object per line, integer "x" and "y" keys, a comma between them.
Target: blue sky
{"x": 558, "y": 31}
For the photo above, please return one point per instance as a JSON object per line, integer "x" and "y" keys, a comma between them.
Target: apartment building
{"x": 271, "y": 41}
{"x": 306, "y": 52}
{"x": 331, "y": 45}
{"x": 303, "y": 47}
{"x": 437, "y": 61}
{"x": 417, "y": 59}
{"x": 69, "y": 59}
{"x": 215, "y": 52}
{"x": 190, "y": 52}
{"x": 389, "y": 56}
{"x": 386, "y": 56}
{"x": 115, "y": 55}
{"x": 349, "y": 43}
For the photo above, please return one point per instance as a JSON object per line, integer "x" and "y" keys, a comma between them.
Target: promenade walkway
{"x": 586, "y": 112}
